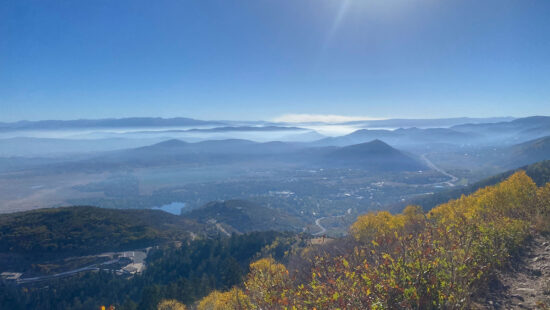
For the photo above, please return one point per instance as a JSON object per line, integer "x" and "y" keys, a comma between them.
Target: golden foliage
{"x": 170, "y": 304}
{"x": 209, "y": 302}
{"x": 373, "y": 226}
{"x": 267, "y": 282}
{"x": 234, "y": 299}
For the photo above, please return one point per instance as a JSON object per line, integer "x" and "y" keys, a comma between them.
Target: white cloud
{"x": 320, "y": 118}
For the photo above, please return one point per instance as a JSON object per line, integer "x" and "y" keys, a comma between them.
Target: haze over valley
{"x": 286, "y": 167}
{"x": 266, "y": 155}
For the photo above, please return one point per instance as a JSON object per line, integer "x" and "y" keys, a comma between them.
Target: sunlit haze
{"x": 274, "y": 154}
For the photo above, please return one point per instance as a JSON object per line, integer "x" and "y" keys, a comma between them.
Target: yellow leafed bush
{"x": 170, "y": 305}
{"x": 234, "y": 299}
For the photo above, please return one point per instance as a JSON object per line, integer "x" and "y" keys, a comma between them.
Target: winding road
{"x": 430, "y": 164}
{"x": 64, "y": 274}
{"x": 220, "y": 228}
{"x": 137, "y": 257}
{"x": 318, "y": 223}
{"x": 323, "y": 229}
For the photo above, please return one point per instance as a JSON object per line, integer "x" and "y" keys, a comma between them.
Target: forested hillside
{"x": 186, "y": 274}
{"x": 244, "y": 216}
{"x": 35, "y": 236}
{"x": 441, "y": 259}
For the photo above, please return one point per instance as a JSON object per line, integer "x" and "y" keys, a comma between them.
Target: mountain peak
{"x": 377, "y": 142}
{"x": 373, "y": 155}
{"x": 374, "y": 146}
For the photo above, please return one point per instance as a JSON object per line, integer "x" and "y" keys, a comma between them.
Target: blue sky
{"x": 263, "y": 59}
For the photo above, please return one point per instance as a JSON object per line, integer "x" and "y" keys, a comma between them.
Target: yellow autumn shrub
{"x": 170, "y": 304}
{"x": 267, "y": 282}
{"x": 376, "y": 225}
{"x": 234, "y": 299}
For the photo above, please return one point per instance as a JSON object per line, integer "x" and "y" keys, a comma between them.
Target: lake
{"x": 174, "y": 207}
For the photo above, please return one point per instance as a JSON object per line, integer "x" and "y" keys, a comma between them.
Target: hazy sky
{"x": 258, "y": 59}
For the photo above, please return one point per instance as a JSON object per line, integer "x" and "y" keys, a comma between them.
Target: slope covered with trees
{"x": 44, "y": 234}
{"x": 245, "y": 216}
{"x": 185, "y": 274}
{"x": 529, "y": 152}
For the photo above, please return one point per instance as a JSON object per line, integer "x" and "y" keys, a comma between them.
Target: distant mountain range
{"x": 374, "y": 155}
{"x": 498, "y": 133}
{"x": 107, "y": 123}
{"x": 224, "y": 129}
{"x": 402, "y": 137}
{"x": 135, "y": 132}
{"x": 247, "y": 128}
{"x": 49, "y": 147}
{"x": 182, "y": 121}
{"x": 516, "y": 131}
{"x": 425, "y": 123}
{"x": 507, "y": 144}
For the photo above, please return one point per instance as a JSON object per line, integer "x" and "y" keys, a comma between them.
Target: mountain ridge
{"x": 106, "y": 122}
{"x": 374, "y": 155}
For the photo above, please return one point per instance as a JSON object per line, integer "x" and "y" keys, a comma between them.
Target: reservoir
{"x": 174, "y": 207}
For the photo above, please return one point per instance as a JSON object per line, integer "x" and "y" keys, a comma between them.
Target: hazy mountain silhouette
{"x": 516, "y": 131}
{"x": 374, "y": 155}
{"x": 529, "y": 152}
{"x": 107, "y": 123}
{"x": 402, "y": 137}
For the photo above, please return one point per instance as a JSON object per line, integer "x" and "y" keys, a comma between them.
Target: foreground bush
{"x": 171, "y": 304}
